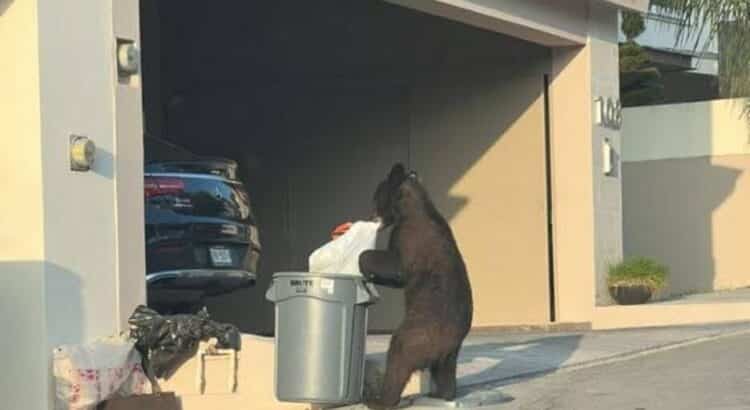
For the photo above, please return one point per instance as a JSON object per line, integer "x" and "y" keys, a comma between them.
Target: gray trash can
{"x": 321, "y": 329}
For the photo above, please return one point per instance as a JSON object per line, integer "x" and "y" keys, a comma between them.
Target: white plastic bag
{"x": 86, "y": 375}
{"x": 342, "y": 254}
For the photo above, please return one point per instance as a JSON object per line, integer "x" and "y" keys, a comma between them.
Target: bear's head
{"x": 388, "y": 193}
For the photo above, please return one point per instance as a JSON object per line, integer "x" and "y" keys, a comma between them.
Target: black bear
{"x": 437, "y": 293}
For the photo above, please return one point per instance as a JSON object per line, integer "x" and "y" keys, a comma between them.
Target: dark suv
{"x": 201, "y": 235}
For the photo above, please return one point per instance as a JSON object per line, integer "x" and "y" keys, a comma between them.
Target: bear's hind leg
{"x": 406, "y": 354}
{"x": 443, "y": 374}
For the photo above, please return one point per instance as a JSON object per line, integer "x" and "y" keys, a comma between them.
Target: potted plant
{"x": 634, "y": 281}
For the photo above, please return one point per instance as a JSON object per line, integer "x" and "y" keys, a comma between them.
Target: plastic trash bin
{"x": 321, "y": 329}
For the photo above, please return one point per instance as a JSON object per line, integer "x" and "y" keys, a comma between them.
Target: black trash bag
{"x": 166, "y": 342}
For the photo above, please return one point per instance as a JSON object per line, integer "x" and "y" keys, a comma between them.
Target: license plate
{"x": 221, "y": 256}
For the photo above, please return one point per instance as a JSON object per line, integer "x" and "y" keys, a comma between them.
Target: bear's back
{"x": 437, "y": 281}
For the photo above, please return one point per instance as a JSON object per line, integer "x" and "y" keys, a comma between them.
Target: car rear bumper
{"x": 210, "y": 282}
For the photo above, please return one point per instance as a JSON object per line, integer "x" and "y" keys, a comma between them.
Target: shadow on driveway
{"x": 481, "y": 363}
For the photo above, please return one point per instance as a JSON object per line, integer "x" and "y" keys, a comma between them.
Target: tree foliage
{"x": 633, "y": 24}
{"x": 640, "y": 82}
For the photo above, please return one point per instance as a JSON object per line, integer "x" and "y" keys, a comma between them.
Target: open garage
{"x": 317, "y": 100}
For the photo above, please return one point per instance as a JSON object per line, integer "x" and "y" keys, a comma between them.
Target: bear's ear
{"x": 397, "y": 175}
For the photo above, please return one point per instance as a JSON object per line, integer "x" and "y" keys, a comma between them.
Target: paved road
{"x": 713, "y": 375}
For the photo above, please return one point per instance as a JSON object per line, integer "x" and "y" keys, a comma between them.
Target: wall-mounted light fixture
{"x": 82, "y": 153}
{"x": 128, "y": 57}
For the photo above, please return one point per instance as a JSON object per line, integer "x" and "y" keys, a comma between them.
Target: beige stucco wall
{"x": 478, "y": 142}
{"x": 80, "y": 230}
{"x": 21, "y": 211}
{"x": 58, "y": 234}
{"x": 572, "y": 188}
{"x": 691, "y": 214}
{"x": 661, "y": 315}
{"x": 686, "y": 192}
{"x": 710, "y": 128}
{"x": 20, "y": 128}
{"x": 573, "y": 199}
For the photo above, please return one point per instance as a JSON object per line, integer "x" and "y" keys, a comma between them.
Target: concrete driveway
{"x": 489, "y": 364}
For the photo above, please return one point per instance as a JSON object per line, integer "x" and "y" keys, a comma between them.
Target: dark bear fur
{"x": 436, "y": 287}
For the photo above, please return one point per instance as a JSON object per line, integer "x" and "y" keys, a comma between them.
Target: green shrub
{"x": 638, "y": 271}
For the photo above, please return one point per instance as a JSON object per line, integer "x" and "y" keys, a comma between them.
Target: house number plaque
{"x": 608, "y": 112}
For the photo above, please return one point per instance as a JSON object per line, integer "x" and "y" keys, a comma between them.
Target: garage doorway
{"x": 317, "y": 100}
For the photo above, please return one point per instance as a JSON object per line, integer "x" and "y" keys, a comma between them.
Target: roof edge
{"x": 635, "y": 5}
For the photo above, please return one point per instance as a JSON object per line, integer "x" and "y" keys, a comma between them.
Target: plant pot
{"x": 630, "y": 295}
